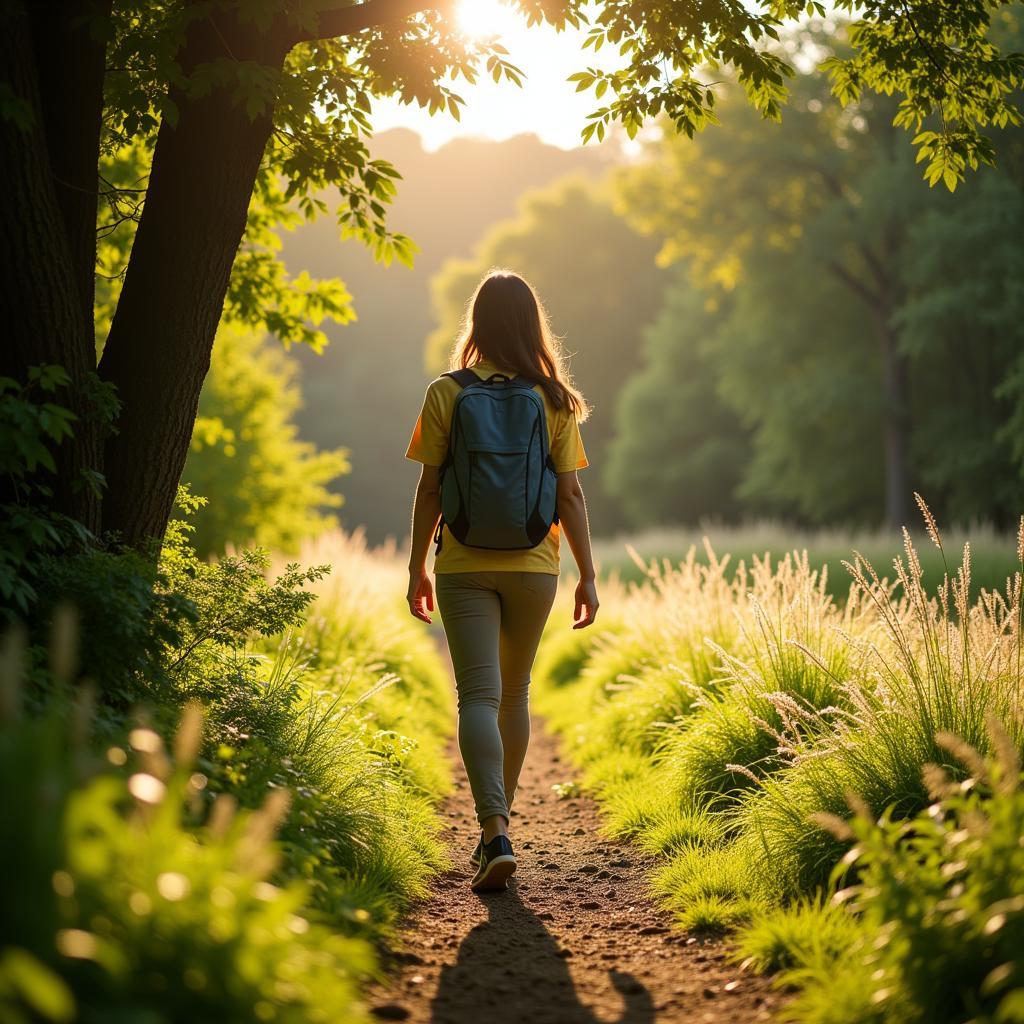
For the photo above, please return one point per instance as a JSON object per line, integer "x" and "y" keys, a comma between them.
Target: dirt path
{"x": 574, "y": 939}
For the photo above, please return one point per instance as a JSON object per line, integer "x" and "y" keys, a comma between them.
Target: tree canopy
{"x": 865, "y": 331}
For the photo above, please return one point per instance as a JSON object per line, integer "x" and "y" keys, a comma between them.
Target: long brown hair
{"x": 507, "y": 325}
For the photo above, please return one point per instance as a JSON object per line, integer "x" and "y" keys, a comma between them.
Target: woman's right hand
{"x": 586, "y": 604}
{"x": 420, "y": 595}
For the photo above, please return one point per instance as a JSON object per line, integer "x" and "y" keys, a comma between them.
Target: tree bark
{"x": 897, "y": 423}
{"x": 44, "y": 311}
{"x": 880, "y": 303}
{"x": 71, "y": 99}
{"x": 158, "y": 350}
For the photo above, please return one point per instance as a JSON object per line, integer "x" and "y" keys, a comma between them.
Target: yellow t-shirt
{"x": 429, "y": 445}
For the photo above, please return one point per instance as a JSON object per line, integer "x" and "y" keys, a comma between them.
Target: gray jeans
{"x": 493, "y": 622}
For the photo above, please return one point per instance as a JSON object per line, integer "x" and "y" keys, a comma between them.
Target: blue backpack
{"x": 497, "y": 481}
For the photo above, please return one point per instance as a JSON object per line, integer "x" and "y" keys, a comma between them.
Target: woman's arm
{"x": 572, "y": 516}
{"x": 426, "y": 510}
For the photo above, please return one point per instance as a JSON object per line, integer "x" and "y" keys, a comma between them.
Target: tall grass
{"x": 731, "y": 703}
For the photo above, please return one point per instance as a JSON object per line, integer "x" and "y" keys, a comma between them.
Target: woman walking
{"x": 499, "y": 443}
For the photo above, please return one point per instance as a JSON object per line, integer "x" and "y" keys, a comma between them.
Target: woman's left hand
{"x": 420, "y": 595}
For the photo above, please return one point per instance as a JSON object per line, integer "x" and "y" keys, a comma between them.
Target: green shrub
{"x": 33, "y": 424}
{"x": 722, "y": 750}
{"x": 940, "y": 898}
{"x": 709, "y": 888}
{"x": 166, "y": 633}
{"x": 674, "y": 830}
{"x": 121, "y": 902}
{"x": 632, "y": 792}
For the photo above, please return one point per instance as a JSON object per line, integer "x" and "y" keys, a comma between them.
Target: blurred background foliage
{"x": 271, "y": 487}
{"x": 770, "y": 320}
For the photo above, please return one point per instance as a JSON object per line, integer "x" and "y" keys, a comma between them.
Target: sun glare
{"x": 485, "y": 17}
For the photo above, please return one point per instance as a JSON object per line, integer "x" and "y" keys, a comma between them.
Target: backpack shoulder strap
{"x": 462, "y": 377}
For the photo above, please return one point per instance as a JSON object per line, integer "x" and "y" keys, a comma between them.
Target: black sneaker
{"x": 497, "y": 865}
{"x": 474, "y": 857}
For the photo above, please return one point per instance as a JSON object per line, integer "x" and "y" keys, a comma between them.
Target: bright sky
{"x": 546, "y": 104}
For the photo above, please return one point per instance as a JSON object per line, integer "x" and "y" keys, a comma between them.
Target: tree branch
{"x": 878, "y": 270}
{"x": 344, "y": 21}
{"x": 857, "y": 286}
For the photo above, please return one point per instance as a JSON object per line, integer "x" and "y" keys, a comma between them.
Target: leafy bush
{"x": 809, "y": 934}
{"x": 125, "y": 900}
{"x": 711, "y": 889}
{"x": 32, "y": 425}
{"x": 166, "y": 633}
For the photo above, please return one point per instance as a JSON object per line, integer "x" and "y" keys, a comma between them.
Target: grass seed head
{"x": 858, "y": 805}
{"x": 963, "y": 752}
{"x": 12, "y": 658}
{"x": 834, "y": 825}
{"x": 222, "y": 814}
{"x": 929, "y": 520}
{"x": 64, "y": 637}
{"x": 937, "y": 781}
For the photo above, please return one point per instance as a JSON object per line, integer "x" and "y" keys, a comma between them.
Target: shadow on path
{"x": 511, "y": 970}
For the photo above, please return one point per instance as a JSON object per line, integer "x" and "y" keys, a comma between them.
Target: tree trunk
{"x": 44, "y": 312}
{"x": 897, "y": 424}
{"x": 71, "y": 98}
{"x": 161, "y": 337}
